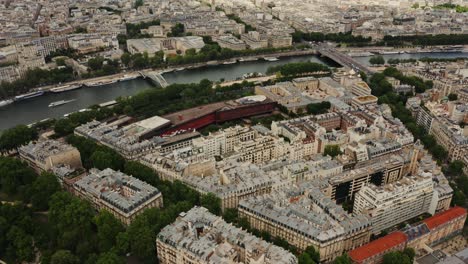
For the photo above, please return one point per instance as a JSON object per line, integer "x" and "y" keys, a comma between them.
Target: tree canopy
{"x": 377, "y": 60}
{"x": 16, "y": 137}
{"x": 332, "y": 150}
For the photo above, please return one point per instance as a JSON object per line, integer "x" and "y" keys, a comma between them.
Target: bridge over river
{"x": 343, "y": 59}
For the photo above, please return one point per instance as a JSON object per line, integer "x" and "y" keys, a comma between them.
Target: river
{"x": 35, "y": 109}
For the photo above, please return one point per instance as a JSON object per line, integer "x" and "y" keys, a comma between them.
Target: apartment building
{"x": 451, "y": 136}
{"x": 123, "y": 196}
{"x": 230, "y": 42}
{"x": 430, "y": 232}
{"x": 199, "y": 237}
{"x": 254, "y": 144}
{"x": 236, "y": 181}
{"x": 9, "y": 74}
{"x": 304, "y": 216}
{"x": 424, "y": 118}
{"x": 361, "y": 89}
{"x": 44, "y": 155}
{"x": 394, "y": 203}
{"x": 86, "y": 43}
{"x": 373, "y": 252}
{"x": 255, "y": 40}
{"x": 47, "y": 45}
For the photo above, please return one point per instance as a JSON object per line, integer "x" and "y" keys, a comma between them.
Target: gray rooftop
{"x": 212, "y": 240}
{"x": 117, "y": 189}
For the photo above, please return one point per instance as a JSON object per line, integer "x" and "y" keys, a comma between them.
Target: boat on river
{"x": 271, "y": 59}
{"x": 100, "y": 83}
{"x": 5, "y": 102}
{"x": 66, "y": 88}
{"x": 28, "y": 95}
{"x": 230, "y": 62}
{"x": 61, "y": 102}
{"x": 128, "y": 78}
{"x": 248, "y": 59}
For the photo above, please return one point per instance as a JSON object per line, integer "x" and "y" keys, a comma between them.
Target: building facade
{"x": 44, "y": 155}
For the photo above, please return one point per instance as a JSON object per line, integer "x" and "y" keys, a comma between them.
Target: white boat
{"x": 389, "y": 52}
{"x": 28, "y": 95}
{"x": 252, "y": 75}
{"x": 248, "y": 59}
{"x": 360, "y": 54}
{"x": 100, "y": 83}
{"x": 127, "y": 78}
{"x": 271, "y": 59}
{"x": 61, "y": 102}
{"x": 179, "y": 69}
{"x": 107, "y": 104}
{"x": 230, "y": 62}
{"x": 65, "y": 88}
{"x": 6, "y": 102}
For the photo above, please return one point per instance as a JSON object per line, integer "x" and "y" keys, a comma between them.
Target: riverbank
{"x": 137, "y": 73}
{"x": 402, "y": 50}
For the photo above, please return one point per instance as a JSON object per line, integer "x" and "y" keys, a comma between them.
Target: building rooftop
{"x": 444, "y": 217}
{"x": 306, "y": 210}
{"x": 211, "y": 239}
{"x": 42, "y": 150}
{"x": 143, "y": 127}
{"x": 117, "y": 189}
{"x": 377, "y": 246}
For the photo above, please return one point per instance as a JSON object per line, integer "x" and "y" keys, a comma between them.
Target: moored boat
{"x": 6, "y": 102}
{"x": 99, "y": 83}
{"x": 127, "y": 78}
{"x": 248, "y": 59}
{"x": 229, "y": 62}
{"x": 66, "y": 88}
{"x": 271, "y": 59}
{"x": 28, "y": 95}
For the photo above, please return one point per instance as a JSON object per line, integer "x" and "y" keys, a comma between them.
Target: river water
{"x": 35, "y": 109}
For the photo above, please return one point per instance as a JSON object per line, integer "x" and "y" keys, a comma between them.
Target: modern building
{"x": 365, "y": 100}
{"x": 201, "y": 116}
{"x": 44, "y": 155}
{"x": 361, "y": 89}
{"x": 424, "y": 118}
{"x": 123, "y": 196}
{"x": 394, "y": 203}
{"x": 199, "y": 237}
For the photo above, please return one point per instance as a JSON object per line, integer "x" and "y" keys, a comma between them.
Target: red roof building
{"x": 445, "y": 217}
{"x": 374, "y": 251}
{"x": 438, "y": 228}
